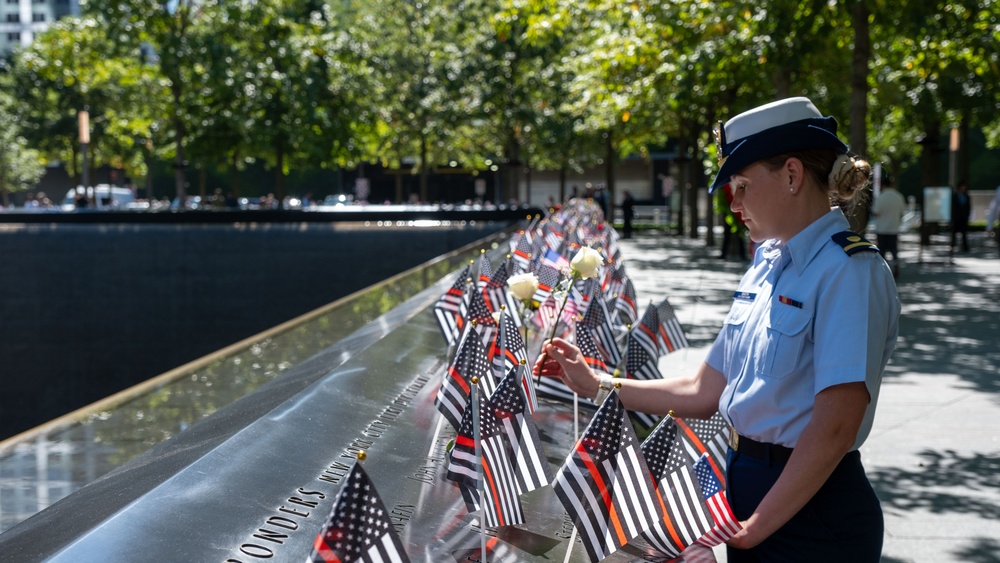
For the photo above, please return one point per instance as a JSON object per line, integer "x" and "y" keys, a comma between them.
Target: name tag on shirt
{"x": 744, "y": 296}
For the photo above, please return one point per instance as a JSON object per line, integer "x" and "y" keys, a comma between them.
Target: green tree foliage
{"x": 413, "y": 75}
{"x": 20, "y": 165}
{"x": 496, "y": 86}
{"x": 73, "y": 67}
{"x": 936, "y": 67}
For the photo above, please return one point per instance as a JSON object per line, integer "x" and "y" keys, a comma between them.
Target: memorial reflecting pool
{"x": 44, "y": 465}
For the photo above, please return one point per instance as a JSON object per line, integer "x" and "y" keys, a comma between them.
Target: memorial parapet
{"x": 256, "y": 481}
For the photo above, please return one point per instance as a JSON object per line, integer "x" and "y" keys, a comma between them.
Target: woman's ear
{"x": 795, "y": 173}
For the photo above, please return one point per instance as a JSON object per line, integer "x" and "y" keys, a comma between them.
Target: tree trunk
{"x": 930, "y": 149}
{"x": 562, "y": 181}
{"x": 692, "y": 197}
{"x": 279, "y": 172}
{"x": 179, "y": 133}
{"x": 424, "y": 169}
{"x": 610, "y": 157}
{"x": 782, "y": 83}
{"x": 859, "y": 101}
{"x": 74, "y": 165}
{"x": 963, "y": 148}
{"x": 700, "y": 180}
{"x": 234, "y": 174}
{"x": 527, "y": 184}
{"x": 148, "y": 157}
{"x": 508, "y": 188}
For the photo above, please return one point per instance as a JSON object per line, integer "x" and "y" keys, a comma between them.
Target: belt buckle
{"x": 734, "y": 439}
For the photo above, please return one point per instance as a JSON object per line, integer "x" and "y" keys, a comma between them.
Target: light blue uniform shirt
{"x": 806, "y": 316}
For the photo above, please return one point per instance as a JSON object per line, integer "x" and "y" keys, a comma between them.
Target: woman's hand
{"x": 743, "y": 539}
{"x": 565, "y": 361}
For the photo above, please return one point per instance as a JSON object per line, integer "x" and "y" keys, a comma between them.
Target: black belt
{"x": 770, "y": 453}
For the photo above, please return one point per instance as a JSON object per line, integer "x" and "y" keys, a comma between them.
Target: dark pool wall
{"x": 87, "y": 310}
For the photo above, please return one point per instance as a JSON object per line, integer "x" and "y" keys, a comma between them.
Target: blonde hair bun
{"x": 848, "y": 176}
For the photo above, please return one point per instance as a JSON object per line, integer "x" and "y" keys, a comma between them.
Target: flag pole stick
{"x": 576, "y": 436}
{"x": 576, "y": 416}
{"x": 572, "y": 542}
{"x": 479, "y": 468}
{"x": 503, "y": 343}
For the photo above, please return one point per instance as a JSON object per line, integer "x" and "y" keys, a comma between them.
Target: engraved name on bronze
{"x": 267, "y": 540}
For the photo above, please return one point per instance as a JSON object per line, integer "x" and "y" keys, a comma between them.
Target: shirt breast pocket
{"x": 788, "y": 335}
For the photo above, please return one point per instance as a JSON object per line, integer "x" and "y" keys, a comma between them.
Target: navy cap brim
{"x": 816, "y": 133}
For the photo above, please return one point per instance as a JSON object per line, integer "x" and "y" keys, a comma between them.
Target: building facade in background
{"x": 20, "y": 20}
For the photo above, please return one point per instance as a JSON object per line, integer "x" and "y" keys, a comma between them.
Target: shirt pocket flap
{"x": 740, "y": 312}
{"x": 788, "y": 319}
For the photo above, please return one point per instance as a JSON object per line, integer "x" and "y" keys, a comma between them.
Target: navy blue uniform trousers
{"x": 842, "y": 522}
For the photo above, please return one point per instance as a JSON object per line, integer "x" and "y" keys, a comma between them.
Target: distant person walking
{"x": 993, "y": 216}
{"x": 888, "y": 211}
{"x": 961, "y": 208}
{"x": 628, "y": 214}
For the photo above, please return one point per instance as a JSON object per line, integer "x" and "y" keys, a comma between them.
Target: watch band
{"x": 604, "y": 388}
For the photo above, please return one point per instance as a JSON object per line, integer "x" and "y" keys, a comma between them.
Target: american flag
{"x": 585, "y": 342}
{"x": 470, "y": 361}
{"x": 726, "y": 524}
{"x": 359, "y": 527}
{"x": 614, "y": 280}
{"x": 522, "y": 253}
{"x": 672, "y": 336}
{"x": 499, "y": 487}
{"x": 553, "y": 387}
{"x": 548, "y": 279}
{"x": 587, "y": 288}
{"x": 450, "y": 309}
{"x": 611, "y": 243}
{"x": 626, "y": 303}
{"x": 696, "y": 553}
{"x": 685, "y": 515}
{"x": 508, "y": 404}
{"x": 640, "y": 365}
{"x": 507, "y": 357}
{"x": 646, "y": 332}
{"x": 498, "y": 295}
{"x": 709, "y": 436}
{"x": 545, "y": 316}
{"x": 605, "y": 485}
{"x": 599, "y": 321}
{"x": 556, "y": 261}
{"x": 574, "y": 304}
{"x": 480, "y": 315}
{"x": 485, "y": 271}
{"x": 553, "y": 239}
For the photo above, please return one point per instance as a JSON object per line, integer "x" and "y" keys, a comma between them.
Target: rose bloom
{"x": 523, "y": 286}
{"x": 586, "y": 262}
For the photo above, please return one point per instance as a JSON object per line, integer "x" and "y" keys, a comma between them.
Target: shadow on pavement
{"x": 945, "y": 483}
{"x": 950, "y": 325}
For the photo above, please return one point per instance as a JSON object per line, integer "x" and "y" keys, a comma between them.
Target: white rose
{"x": 586, "y": 262}
{"x": 523, "y": 286}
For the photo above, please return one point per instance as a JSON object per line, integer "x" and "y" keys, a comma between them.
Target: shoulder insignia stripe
{"x": 852, "y": 242}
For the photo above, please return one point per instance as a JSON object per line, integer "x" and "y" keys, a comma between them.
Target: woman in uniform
{"x": 796, "y": 369}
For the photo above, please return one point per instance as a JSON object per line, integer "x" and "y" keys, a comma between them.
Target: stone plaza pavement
{"x": 934, "y": 451}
